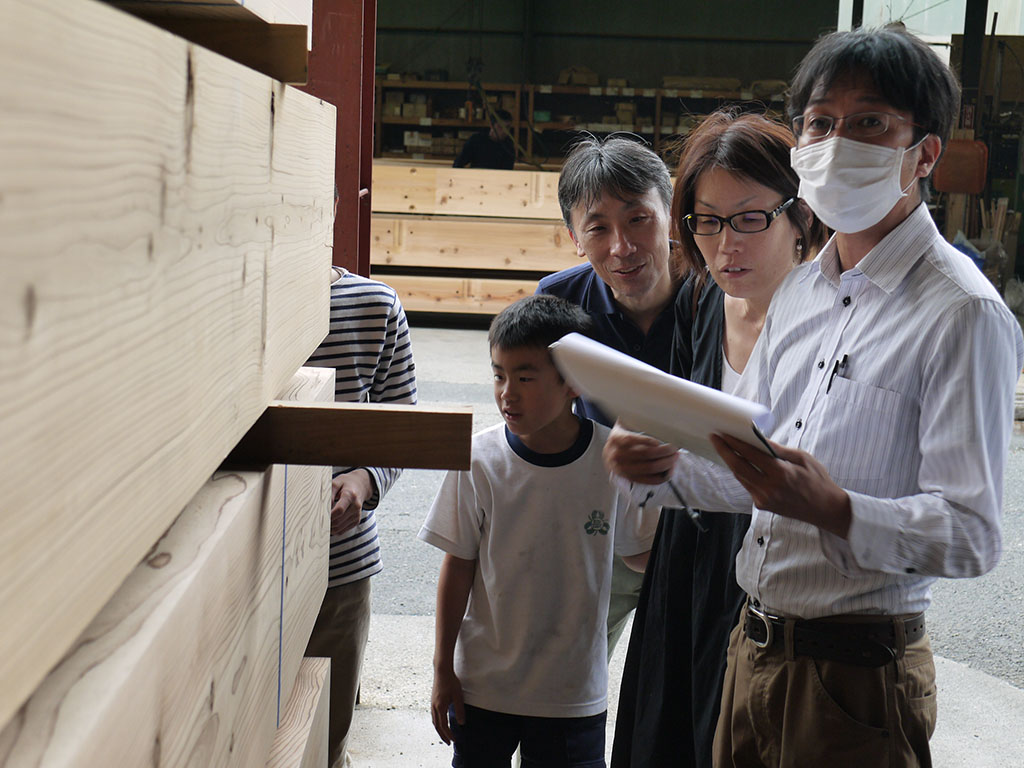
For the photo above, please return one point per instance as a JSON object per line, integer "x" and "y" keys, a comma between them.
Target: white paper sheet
{"x": 647, "y": 400}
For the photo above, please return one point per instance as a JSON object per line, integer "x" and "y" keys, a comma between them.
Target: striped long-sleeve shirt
{"x": 368, "y": 345}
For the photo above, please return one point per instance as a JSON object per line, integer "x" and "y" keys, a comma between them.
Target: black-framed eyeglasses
{"x": 862, "y": 125}
{"x": 744, "y": 222}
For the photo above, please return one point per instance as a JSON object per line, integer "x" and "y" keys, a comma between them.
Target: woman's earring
{"x": 799, "y": 246}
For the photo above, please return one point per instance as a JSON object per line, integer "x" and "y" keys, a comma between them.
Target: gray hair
{"x": 620, "y": 166}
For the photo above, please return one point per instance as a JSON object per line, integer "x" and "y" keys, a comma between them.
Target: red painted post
{"x": 341, "y": 69}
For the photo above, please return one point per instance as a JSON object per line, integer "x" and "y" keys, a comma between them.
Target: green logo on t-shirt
{"x": 596, "y": 524}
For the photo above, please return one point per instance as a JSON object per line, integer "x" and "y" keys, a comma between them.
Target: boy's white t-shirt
{"x": 534, "y": 637}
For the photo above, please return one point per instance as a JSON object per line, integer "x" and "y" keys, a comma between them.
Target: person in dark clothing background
{"x": 493, "y": 149}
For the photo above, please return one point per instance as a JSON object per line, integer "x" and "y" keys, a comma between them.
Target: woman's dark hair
{"x": 749, "y": 145}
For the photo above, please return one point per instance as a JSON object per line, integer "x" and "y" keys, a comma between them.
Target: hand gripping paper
{"x": 647, "y": 400}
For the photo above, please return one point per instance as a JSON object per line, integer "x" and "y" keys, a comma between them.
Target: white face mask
{"x": 848, "y": 184}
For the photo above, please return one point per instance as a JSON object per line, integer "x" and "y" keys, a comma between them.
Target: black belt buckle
{"x": 768, "y": 629}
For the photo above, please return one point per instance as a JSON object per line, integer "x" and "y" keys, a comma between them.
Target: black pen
{"x": 839, "y": 366}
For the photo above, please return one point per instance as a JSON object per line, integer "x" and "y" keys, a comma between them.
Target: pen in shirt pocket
{"x": 839, "y": 369}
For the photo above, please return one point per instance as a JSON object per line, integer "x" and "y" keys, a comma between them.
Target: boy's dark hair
{"x": 617, "y": 165}
{"x": 908, "y": 74}
{"x": 536, "y": 321}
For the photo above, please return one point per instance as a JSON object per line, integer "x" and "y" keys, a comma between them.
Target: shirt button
{"x": 821, "y": 363}
{"x": 760, "y": 541}
{"x": 846, "y": 301}
{"x": 799, "y": 423}
{"x": 636, "y": 347}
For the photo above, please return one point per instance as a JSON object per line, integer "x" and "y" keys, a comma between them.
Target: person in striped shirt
{"x": 368, "y": 346}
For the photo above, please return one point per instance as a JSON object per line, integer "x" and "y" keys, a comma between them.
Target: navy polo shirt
{"x": 582, "y": 286}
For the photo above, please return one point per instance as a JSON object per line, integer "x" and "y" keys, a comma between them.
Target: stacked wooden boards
{"x": 195, "y": 646}
{"x": 459, "y": 240}
{"x": 165, "y": 223}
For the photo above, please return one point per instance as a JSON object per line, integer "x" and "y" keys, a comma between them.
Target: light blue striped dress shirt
{"x": 916, "y": 426}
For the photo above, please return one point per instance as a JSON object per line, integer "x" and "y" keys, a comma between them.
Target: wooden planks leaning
{"x": 181, "y": 667}
{"x": 301, "y": 740}
{"x": 165, "y": 216}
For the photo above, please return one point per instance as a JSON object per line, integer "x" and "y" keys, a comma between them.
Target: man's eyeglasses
{"x": 863, "y": 125}
{"x": 745, "y": 222}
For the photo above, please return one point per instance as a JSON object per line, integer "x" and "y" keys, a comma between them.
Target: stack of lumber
{"x": 459, "y": 240}
{"x": 165, "y": 242}
{"x": 165, "y": 222}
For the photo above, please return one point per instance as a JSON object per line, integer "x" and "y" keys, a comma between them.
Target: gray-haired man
{"x": 616, "y": 196}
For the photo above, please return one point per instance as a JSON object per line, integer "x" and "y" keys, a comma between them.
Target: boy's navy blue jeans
{"x": 489, "y": 739}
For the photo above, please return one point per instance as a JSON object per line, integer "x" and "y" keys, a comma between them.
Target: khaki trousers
{"x": 340, "y": 633}
{"x": 798, "y": 712}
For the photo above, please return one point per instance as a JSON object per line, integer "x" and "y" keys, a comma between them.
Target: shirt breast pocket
{"x": 868, "y": 428}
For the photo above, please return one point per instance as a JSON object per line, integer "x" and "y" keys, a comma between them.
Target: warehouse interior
{"x": 177, "y": 179}
{"x": 442, "y": 71}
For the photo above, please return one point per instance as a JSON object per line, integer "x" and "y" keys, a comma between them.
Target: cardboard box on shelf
{"x": 618, "y": 82}
{"x": 392, "y": 96}
{"x": 701, "y": 83}
{"x": 578, "y": 75}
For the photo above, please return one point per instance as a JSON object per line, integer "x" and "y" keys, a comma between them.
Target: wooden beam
{"x": 467, "y": 242}
{"x": 307, "y": 537}
{"x": 465, "y": 192}
{"x": 456, "y": 294}
{"x": 181, "y": 666}
{"x": 358, "y": 434}
{"x": 268, "y": 11}
{"x": 276, "y": 50}
{"x": 164, "y": 221}
{"x": 301, "y": 740}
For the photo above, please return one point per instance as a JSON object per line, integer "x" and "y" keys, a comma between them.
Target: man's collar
{"x": 599, "y": 297}
{"x": 889, "y": 262}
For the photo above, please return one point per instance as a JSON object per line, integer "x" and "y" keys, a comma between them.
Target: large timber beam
{"x": 301, "y": 740}
{"x": 465, "y": 192}
{"x": 165, "y": 221}
{"x": 185, "y": 664}
{"x": 358, "y": 434}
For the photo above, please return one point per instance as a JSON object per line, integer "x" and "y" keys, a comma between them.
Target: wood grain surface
{"x": 165, "y": 216}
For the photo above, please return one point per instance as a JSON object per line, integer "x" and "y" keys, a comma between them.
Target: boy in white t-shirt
{"x": 530, "y": 532}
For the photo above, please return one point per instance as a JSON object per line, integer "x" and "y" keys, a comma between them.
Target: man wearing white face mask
{"x": 889, "y": 365}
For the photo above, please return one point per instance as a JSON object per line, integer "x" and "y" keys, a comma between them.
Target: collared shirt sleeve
{"x": 698, "y": 482}
{"x": 951, "y": 528}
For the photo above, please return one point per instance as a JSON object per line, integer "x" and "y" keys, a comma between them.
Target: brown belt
{"x": 865, "y": 644}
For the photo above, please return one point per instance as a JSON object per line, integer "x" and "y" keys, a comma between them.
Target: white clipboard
{"x": 656, "y": 403}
